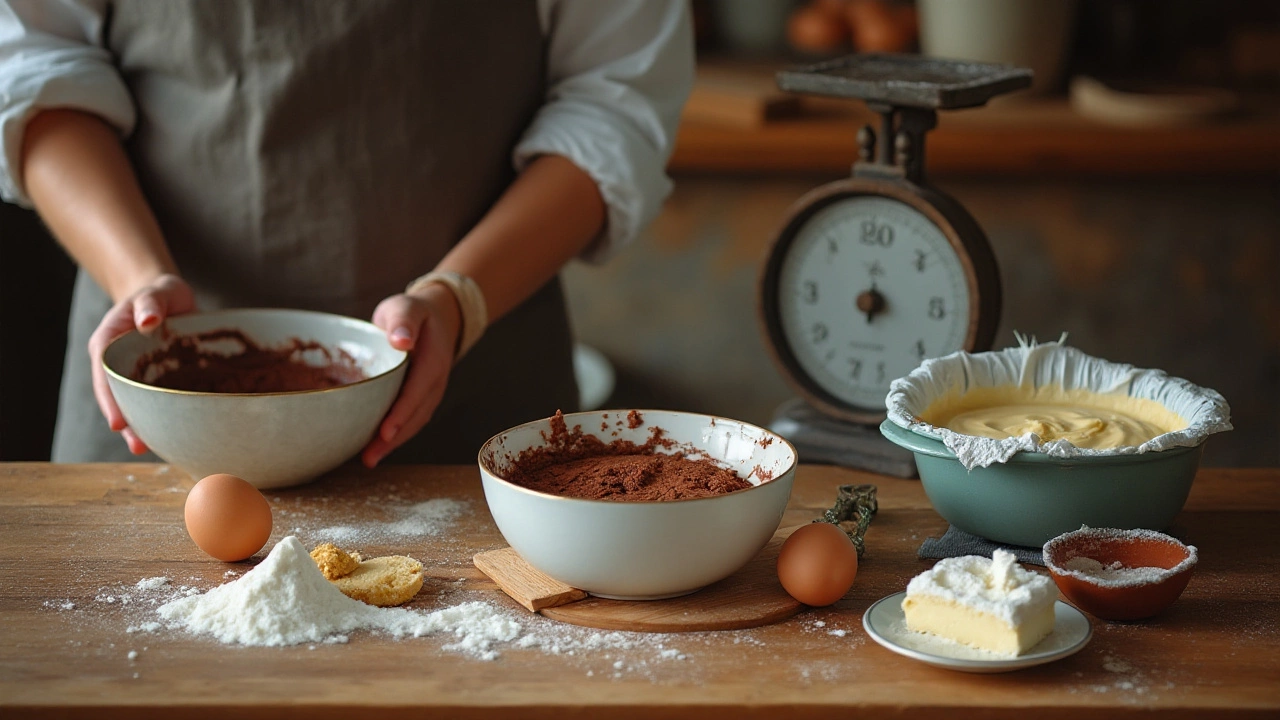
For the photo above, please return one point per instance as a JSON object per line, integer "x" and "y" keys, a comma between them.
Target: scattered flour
{"x": 1129, "y": 679}
{"x": 431, "y": 517}
{"x": 285, "y": 600}
{"x": 152, "y": 583}
{"x": 266, "y": 605}
{"x": 1116, "y": 665}
{"x": 1115, "y": 573}
{"x": 558, "y": 639}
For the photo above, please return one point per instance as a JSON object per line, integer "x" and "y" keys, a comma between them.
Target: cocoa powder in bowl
{"x": 188, "y": 363}
{"x": 576, "y": 464}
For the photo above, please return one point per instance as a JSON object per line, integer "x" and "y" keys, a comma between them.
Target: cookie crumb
{"x": 333, "y": 562}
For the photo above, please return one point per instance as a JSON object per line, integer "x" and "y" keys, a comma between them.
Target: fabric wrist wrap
{"x": 475, "y": 314}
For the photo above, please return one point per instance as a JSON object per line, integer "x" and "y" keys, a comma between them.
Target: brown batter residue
{"x": 575, "y": 464}
{"x": 184, "y": 365}
{"x": 636, "y": 478}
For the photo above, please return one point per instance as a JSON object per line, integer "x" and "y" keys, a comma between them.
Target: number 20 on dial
{"x": 859, "y": 288}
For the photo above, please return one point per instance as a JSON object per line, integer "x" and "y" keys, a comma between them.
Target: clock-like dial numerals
{"x": 868, "y": 289}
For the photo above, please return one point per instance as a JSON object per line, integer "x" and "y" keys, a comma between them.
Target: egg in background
{"x": 227, "y": 517}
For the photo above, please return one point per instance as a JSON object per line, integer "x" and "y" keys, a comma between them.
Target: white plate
{"x": 886, "y": 625}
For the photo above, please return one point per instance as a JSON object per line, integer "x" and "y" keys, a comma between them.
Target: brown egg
{"x": 227, "y": 517}
{"x": 817, "y": 29}
{"x": 882, "y": 26}
{"x": 817, "y": 564}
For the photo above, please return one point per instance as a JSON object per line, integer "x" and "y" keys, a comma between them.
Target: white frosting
{"x": 998, "y": 586}
{"x": 1035, "y": 365}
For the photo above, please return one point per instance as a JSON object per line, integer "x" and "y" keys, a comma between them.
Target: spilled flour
{"x": 285, "y": 600}
{"x": 428, "y": 518}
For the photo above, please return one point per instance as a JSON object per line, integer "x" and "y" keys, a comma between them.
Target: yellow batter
{"x": 1083, "y": 418}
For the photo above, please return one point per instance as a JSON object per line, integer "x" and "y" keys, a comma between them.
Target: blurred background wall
{"x": 1132, "y": 199}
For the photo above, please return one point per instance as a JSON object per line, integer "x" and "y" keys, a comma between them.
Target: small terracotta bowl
{"x": 1120, "y": 574}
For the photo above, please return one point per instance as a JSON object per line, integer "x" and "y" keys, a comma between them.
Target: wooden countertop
{"x": 1014, "y": 136}
{"x": 75, "y": 535}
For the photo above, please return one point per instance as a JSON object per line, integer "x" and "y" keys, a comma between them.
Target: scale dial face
{"x": 866, "y": 288}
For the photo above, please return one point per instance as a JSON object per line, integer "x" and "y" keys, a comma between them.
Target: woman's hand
{"x": 145, "y": 309}
{"x": 426, "y": 323}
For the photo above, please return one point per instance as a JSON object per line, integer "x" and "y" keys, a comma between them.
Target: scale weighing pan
{"x": 907, "y": 80}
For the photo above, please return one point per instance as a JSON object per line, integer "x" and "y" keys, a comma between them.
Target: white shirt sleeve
{"x": 52, "y": 56}
{"x": 618, "y": 74}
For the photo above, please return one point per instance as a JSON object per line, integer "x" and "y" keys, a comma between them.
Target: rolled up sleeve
{"x": 619, "y": 73}
{"x": 51, "y": 56}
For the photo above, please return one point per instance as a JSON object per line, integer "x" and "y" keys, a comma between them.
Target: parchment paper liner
{"x": 1034, "y": 365}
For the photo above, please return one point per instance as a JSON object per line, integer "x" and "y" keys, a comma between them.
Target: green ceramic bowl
{"x": 1033, "y": 497}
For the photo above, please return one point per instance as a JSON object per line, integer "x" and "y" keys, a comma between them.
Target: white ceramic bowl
{"x": 269, "y": 439}
{"x": 643, "y": 550}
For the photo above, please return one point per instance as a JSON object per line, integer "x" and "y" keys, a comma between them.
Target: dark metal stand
{"x": 827, "y": 441}
{"x": 907, "y": 91}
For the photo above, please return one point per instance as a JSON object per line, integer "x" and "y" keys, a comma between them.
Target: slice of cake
{"x": 991, "y": 604}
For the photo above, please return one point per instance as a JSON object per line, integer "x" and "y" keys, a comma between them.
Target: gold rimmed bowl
{"x": 271, "y": 439}
{"x": 643, "y": 550}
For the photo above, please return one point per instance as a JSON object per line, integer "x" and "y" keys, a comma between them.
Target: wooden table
{"x": 74, "y": 535}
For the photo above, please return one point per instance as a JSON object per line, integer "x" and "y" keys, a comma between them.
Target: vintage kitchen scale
{"x": 872, "y": 274}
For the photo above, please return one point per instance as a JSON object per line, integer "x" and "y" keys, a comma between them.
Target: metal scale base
{"x": 824, "y": 440}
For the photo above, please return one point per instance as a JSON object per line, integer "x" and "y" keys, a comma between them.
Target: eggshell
{"x": 227, "y": 517}
{"x": 817, "y": 564}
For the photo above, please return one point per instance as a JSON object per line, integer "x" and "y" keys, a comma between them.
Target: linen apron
{"x": 321, "y": 155}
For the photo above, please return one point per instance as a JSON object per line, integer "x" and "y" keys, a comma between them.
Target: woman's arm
{"x": 547, "y": 216}
{"x": 63, "y": 108}
{"x": 591, "y": 175}
{"x": 80, "y": 181}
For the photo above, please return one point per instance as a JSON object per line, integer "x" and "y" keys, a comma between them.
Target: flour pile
{"x": 285, "y": 600}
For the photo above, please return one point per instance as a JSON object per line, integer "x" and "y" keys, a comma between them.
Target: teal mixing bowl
{"x": 1033, "y": 497}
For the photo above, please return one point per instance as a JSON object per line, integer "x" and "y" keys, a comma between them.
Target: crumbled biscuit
{"x": 383, "y": 581}
{"x": 334, "y": 563}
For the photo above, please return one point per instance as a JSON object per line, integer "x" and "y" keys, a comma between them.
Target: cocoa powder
{"x": 575, "y": 464}
{"x": 184, "y": 365}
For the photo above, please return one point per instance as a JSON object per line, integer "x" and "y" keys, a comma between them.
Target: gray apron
{"x": 321, "y": 155}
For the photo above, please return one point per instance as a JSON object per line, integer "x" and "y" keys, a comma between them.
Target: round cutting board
{"x": 749, "y": 598}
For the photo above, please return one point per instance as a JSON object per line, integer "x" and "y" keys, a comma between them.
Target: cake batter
{"x": 1085, "y": 419}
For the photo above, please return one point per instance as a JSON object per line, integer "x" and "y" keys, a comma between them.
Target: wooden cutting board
{"x": 749, "y": 598}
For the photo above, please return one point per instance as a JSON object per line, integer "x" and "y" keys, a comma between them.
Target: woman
{"x": 197, "y": 154}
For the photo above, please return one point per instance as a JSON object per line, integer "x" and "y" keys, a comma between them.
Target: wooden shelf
{"x": 1010, "y": 137}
